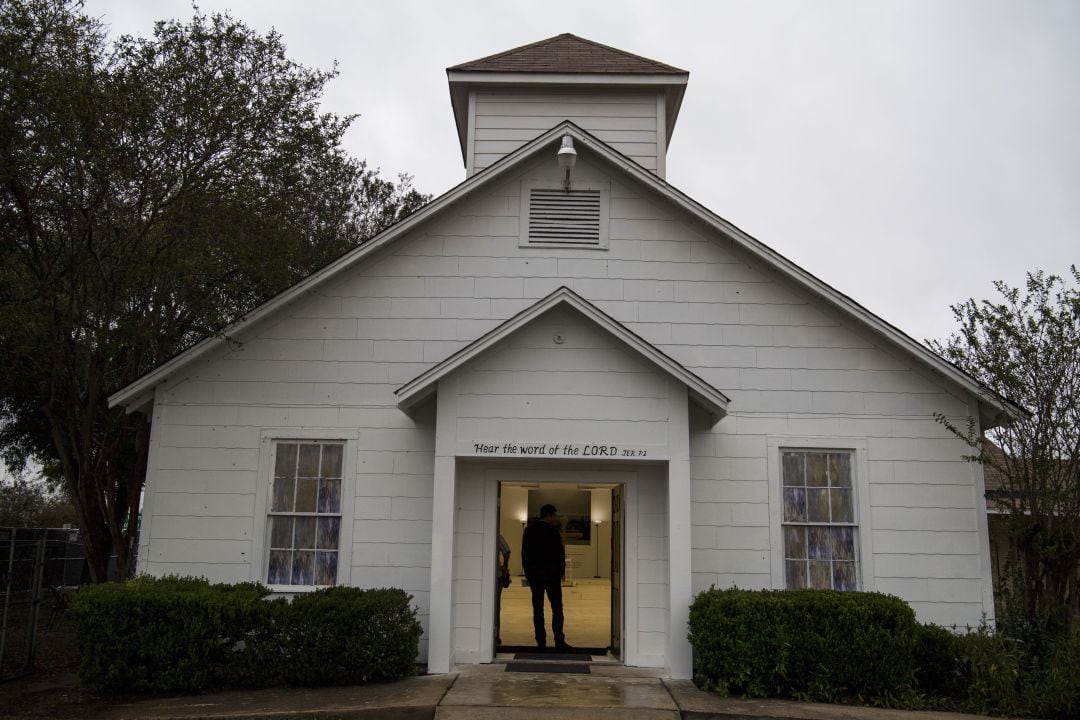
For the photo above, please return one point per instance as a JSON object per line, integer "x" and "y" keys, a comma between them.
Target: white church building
{"x": 566, "y": 321}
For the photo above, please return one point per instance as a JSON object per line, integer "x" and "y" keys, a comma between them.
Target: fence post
{"x": 7, "y": 594}
{"x": 35, "y": 599}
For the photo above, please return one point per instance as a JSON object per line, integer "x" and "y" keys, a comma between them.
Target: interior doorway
{"x": 589, "y": 517}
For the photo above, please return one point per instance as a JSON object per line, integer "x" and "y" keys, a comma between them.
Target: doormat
{"x": 548, "y": 667}
{"x": 532, "y": 649}
{"x": 556, "y": 656}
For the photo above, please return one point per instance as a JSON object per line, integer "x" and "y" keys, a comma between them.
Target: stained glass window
{"x": 820, "y": 532}
{"x": 305, "y": 513}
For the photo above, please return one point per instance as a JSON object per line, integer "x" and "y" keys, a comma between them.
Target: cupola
{"x": 504, "y": 100}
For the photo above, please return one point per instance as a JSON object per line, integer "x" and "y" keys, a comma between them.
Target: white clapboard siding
{"x": 792, "y": 366}
{"x": 468, "y": 591}
{"x": 652, "y": 568}
{"x": 506, "y": 120}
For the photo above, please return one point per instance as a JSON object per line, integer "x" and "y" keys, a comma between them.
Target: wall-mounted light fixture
{"x": 567, "y": 159}
{"x": 524, "y": 518}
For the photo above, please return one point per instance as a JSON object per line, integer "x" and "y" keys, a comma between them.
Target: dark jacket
{"x": 542, "y": 552}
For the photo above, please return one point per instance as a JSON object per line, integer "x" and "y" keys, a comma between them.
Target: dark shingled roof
{"x": 993, "y": 478}
{"x": 568, "y": 53}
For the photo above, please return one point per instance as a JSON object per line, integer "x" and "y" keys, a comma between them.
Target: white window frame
{"x": 864, "y": 552}
{"x": 527, "y": 187}
{"x": 260, "y": 550}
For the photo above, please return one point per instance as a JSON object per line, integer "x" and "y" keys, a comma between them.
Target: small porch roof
{"x": 417, "y": 390}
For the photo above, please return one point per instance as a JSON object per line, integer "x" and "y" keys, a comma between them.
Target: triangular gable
{"x": 424, "y": 385}
{"x": 140, "y": 393}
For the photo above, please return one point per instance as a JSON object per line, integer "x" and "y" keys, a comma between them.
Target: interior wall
{"x": 601, "y": 510}
{"x": 513, "y": 513}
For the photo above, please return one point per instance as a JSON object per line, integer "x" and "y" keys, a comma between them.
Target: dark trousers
{"x": 498, "y": 614}
{"x": 553, "y": 588}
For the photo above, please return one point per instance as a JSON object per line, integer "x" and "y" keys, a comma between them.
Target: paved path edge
{"x": 423, "y": 698}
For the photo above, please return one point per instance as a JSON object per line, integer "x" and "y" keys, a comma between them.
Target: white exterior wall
{"x": 631, "y": 121}
{"x": 529, "y": 389}
{"x": 645, "y": 565}
{"x": 652, "y": 568}
{"x": 794, "y": 368}
{"x": 472, "y": 507}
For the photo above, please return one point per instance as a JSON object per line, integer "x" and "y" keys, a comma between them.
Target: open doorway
{"x": 589, "y": 520}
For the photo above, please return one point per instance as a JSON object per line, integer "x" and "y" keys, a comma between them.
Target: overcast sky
{"x": 906, "y": 152}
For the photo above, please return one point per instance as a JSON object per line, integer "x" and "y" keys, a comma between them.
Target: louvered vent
{"x": 558, "y": 216}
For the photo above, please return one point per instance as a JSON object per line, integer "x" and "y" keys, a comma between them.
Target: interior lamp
{"x": 567, "y": 159}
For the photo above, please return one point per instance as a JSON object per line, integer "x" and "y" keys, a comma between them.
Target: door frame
{"x": 624, "y": 475}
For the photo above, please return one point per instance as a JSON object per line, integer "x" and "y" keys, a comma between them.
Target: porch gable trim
{"x": 424, "y": 385}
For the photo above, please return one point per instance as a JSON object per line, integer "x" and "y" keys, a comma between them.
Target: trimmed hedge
{"x": 186, "y": 635}
{"x": 814, "y": 645}
{"x": 163, "y": 635}
{"x": 347, "y": 636}
{"x": 825, "y": 646}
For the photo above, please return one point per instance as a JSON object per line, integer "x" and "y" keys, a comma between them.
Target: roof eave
{"x": 804, "y": 278}
{"x": 140, "y": 387}
{"x": 673, "y": 104}
{"x": 132, "y": 393}
{"x": 996, "y": 412}
{"x": 492, "y": 77}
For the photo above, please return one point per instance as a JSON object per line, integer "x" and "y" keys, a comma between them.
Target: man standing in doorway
{"x": 543, "y": 559}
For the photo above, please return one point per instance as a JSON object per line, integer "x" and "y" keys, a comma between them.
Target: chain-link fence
{"x": 38, "y": 569}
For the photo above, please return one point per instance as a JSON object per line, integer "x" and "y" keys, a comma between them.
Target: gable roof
{"x": 422, "y": 386}
{"x": 140, "y": 393}
{"x": 567, "y": 53}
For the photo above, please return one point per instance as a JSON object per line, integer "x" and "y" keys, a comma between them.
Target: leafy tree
{"x": 152, "y": 190}
{"x": 1026, "y": 347}
{"x": 26, "y": 501}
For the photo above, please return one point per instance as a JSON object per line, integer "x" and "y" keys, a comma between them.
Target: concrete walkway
{"x": 486, "y": 693}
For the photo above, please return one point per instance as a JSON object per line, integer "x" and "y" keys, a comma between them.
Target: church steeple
{"x": 504, "y": 100}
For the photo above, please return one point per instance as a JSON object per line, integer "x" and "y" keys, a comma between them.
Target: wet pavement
{"x": 521, "y": 695}
{"x": 481, "y": 692}
{"x": 414, "y": 697}
{"x": 697, "y": 704}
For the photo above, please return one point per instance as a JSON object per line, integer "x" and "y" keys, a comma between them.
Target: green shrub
{"x": 1056, "y": 692}
{"x": 177, "y": 634}
{"x": 1001, "y": 674}
{"x": 344, "y": 635}
{"x": 993, "y": 676}
{"x": 170, "y": 634}
{"x": 816, "y": 645}
{"x": 937, "y": 662}
{"x": 820, "y": 645}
